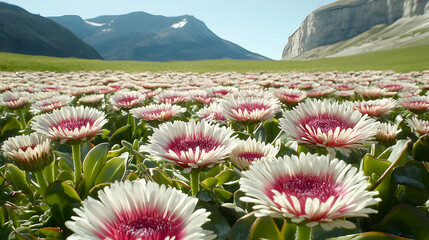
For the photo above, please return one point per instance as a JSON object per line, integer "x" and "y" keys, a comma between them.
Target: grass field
{"x": 399, "y": 60}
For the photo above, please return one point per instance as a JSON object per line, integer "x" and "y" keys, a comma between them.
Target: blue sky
{"x": 261, "y": 26}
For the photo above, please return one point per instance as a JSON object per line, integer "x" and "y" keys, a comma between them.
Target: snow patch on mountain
{"x": 180, "y": 24}
{"x": 95, "y": 24}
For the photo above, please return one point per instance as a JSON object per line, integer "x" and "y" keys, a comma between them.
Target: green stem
{"x": 49, "y": 172}
{"x": 195, "y": 181}
{"x": 304, "y": 233}
{"x": 41, "y": 180}
{"x": 251, "y": 129}
{"x": 21, "y": 117}
{"x": 77, "y": 163}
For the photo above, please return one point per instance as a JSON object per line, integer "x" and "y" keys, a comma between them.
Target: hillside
{"x": 142, "y": 36}
{"x": 26, "y": 33}
{"x": 399, "y": 60}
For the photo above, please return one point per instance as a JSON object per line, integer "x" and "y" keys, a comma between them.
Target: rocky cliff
{"x": 346, "y": 19}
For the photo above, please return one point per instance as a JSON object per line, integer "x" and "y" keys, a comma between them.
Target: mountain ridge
{"x": 143, "y": 36}
{"x": 26, "y": 33}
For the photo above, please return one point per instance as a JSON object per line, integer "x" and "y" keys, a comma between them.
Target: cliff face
{"x": 345, "y": 19}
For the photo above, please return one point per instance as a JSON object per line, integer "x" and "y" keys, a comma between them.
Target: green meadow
{"x": 399, "y": 60}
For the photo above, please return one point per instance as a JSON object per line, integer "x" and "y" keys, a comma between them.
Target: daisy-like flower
{"x": 202, "y": 96}
{"x": 390, "y": 85}
{"x": 126, "y": 99}
{"x": 369, "y": 92}
{"x": 222, "y": 91}
{"x": 191, "y": 144}
{"x": 30, "y": 152}
{"x": 14, "y": 100}
{"x": 416, "y": 103}
{"x": 213, "y": 112}
{"x": 250, "y": 151}
{"x": 172, "y": 96}
{"x": 157, "y": 111}
{"x": 44, "y": 95}
{"x": 308, "y": 189}
{"x": 289, "y": 95}
{"x": 347, "y": 93}
{"x": 387, "y": 132}
{"x": 92, "y": 99}
{"x": 421, "y": 127}
{"x": 257, "y": 93}
{"x": 328, "y": 124}
{"x": 50, "y": 104}
{"x": 320, "y": 91}
{"x": 250, "y": 109}
{"x": 70, "y": 123}
{"x": 139, "y": 210}
{"x": 376, "y": 107}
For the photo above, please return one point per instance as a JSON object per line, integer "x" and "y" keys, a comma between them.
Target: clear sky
{"x": 261, "y": 26}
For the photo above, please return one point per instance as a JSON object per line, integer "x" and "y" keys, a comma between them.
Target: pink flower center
{"x": 303, "y": 187}
{"x": 326, "y": 123}
{"x": 126, "y": 100}
{"x": 251, "y": 107}
{"x": 185, "y": 143}
{"x": 24, "y": 148}
{"x": 292, "y": 96}
{"x": 72, "y": 124}
{"x": 144, "y": 227}
{"x": 215, "y": 115}
{"x": 250, "y": 156}
{"x": 221, "y": 93}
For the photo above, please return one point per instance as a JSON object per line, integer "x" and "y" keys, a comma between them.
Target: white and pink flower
{"x": 158, "y": 112}
{"x": 332, "y": 125}
{"x": 376, "y": 107}
{"x": 250, "y": 109}
{"x": 30, "y": 152}
{"x": 139, "y": 210}
{"x": 250, "y": 151}
{"x": 70, "y": 123}
{"x": 191, "y": 144}
{"x": 308, "y": 189}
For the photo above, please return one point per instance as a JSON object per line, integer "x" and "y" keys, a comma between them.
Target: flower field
{"x": 223, "y": 155}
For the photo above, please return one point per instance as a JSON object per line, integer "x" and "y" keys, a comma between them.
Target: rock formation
{"x": 345, "y": 19}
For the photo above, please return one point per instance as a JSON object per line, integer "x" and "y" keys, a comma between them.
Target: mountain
{"x": 349, "y": 27}
{"x": 142, "y": 36}
{"x": 26, "y": 33}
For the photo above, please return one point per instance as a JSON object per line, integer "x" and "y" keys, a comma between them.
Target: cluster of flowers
{"x": 336, "y": 112}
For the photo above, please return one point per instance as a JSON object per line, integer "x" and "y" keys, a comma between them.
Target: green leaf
{"x": 225, "y": 176}
{"x": 373, "y": 166}
{"x": 123, "y": 133}
{"x": 64, "y": 176}
{"x": 241, "y": 228}
{"x": 63, "y": 198}
{"x": 406, "y": 219}
{"x": 272, "y": 129}
{"x": 288, "y": 230}
{"x": 11, "y": 125}
{"x": 421, "y": 148}
{"x": 218, "y": 224}
{"x": 113, "y": 170}
{"x": 161, "y": 177}
{"x": 368, "y": 236}
{"x": 50, "y": 233}
{"x": 93, "y": 162}
{"x": 210, "y": 182}
{"x": 93, "y": 192}
{"x": 222, "y": 194}
{"x": 18, "y": 178}
{"x": 413, "y": 174}
{"x": 265, "y": 228}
